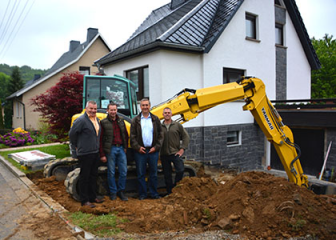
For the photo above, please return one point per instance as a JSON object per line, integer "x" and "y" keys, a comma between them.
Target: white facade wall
{"x": 298, "y": 68}
{"x": 232, "y": 50}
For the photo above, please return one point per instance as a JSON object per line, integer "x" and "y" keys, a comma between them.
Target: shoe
{"x": 122, "y": 196}
{"x": 156, "y": 197}
{"x": 113, "y": 196}
{"x": 88, "y": 204}
{"x": 142, "y": 197}
{"x": 98, "y": 200}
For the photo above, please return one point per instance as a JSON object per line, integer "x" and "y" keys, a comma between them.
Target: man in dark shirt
{"x": 113, "y": 147}
{"x": 84, "y": 137}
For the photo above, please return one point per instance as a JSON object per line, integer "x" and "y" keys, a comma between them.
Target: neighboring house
{"x": 80, "y": 57}
{"x": 201, "y": 43}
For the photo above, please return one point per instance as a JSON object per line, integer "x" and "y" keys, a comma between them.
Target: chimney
{"x": 91, "y": 33}
{"x": 73, "y": 45}
{"x": 36, "y": 76}
{"x": 176, "y": 3}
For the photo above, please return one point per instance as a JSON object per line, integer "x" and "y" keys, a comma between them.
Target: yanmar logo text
{"x": 267, "y": 119}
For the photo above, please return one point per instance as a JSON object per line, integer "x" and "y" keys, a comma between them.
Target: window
{"x": 140, "y": 77}
{"x": 233, "y": 138}
{"x": 279, "y": 34}
{"x": 84, "y": 70}
{"x": 279, "y": 3}
{"x": 251, "y": 26}
{"x": 18, "y": 110}
{"x": 232, "y": 75}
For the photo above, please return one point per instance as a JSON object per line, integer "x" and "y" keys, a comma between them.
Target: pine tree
{"x": 16, "y": 82}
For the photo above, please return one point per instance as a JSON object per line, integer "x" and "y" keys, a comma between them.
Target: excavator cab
{"x": 106, "y": 89}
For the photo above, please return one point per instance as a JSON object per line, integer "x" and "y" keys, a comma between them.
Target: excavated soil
{"x": 251, "y": 205}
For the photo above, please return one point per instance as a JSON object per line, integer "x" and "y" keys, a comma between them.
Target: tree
{"x": 59, "y": 103}
{"x": 16, "y": 82}
{"x": 324, "y": 79}
{"x": 4, "y": 81}
{"x": 1, "y": 117}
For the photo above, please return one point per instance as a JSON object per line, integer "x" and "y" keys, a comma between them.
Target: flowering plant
{"x": 19, "y": 130}
{"x": 14, "y": 139}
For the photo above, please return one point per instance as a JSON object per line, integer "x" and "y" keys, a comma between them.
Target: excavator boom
{"x": 189, "y": 103}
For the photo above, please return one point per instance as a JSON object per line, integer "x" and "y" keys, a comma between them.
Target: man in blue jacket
{"x": 84, "y": 136}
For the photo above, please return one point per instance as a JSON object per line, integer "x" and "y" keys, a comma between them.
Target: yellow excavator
{"x": 188, "y": 104}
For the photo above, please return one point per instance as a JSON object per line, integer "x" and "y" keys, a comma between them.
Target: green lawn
{"x": 60, "y": 151}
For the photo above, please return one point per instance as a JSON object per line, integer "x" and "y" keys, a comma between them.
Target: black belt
{"x": 117, "y": 145}
{"x": 148, "y": 148}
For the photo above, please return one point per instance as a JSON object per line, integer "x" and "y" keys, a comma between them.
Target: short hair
{"x": 111, "y": 104}
{"x": 167, "y": 108}
{"x": 145, "y": 99}
{"x": 92, "y": 102}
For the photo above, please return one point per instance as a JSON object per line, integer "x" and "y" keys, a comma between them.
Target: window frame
{"x": 228, "y": 71}
{"x": 84, "y": 69}
{"x": 238, "y": 135}
{"x": 252, "y": 19}
{"x": 141, "y": 80}
{"x": 279, "y": 28}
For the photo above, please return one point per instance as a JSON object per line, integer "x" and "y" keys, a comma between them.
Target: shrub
{"x": 15, "y": 139}
{"x": 59, "y": 103}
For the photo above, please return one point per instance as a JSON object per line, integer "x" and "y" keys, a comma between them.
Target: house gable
{"x": 78, "y": 56}
{"x": 194, "y": 25}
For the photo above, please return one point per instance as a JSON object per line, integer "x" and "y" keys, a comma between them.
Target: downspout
{"x": 24, "y": 114}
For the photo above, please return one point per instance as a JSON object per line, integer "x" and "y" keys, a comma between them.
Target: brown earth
{"x": 255, "y": 205}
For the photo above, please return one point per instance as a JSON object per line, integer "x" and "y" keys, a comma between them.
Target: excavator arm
{"x": 189, "y": 103}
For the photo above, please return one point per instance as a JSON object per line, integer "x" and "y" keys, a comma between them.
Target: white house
{"x": 201, "y": 43}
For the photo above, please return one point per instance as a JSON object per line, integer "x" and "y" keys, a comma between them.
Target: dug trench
{"x": 253, "y": 205}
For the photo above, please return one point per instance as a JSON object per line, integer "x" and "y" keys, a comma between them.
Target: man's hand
{"x": 142, "y": 150}
{"x": 152, "y": 150}
{"x": 180, "y": 153}
{"x": 103, "y": 159}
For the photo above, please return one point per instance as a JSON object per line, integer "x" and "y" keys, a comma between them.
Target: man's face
{"x": 167, "y": 114}
{"x": 145, "y": 106}
{"x": 91, "y": 110}
{"x": 112, "y": 111}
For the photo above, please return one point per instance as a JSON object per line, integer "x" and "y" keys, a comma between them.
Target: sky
{"x": 37, "y": 32}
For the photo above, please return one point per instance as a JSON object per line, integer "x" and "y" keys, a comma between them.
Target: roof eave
{"x": 20, "y": 92}
{"x": 149, "y": 48}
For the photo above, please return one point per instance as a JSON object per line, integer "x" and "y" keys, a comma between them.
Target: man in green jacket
{"x": 175, "y": 141}
{"x": 113, "y": 147}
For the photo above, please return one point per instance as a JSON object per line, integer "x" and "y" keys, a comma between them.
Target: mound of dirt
{"x": 253, "y": 204}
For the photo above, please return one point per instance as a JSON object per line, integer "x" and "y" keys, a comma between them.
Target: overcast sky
{"x": 37, "y": 32}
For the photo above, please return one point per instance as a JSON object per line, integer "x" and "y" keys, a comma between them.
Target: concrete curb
{"x": 32, "y": 146}
{"x": 45, "y": 199}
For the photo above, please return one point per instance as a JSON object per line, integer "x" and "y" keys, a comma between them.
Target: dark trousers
{"x": 141, "y": 161}
{"x": 167, "y": 170}
{"x": 88, "y": 176}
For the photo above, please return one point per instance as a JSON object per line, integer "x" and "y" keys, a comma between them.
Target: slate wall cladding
{"x": 209, "y": 145}
{"x": 281, "y": 73}
{"x": 281, "y": 59}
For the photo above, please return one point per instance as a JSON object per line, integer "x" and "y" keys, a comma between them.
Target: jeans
{"x": 166, "y": 161}
{"x": 88, "y": 176}
{"x": 117, "y": 157}
{"x": 141, "y": 161}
